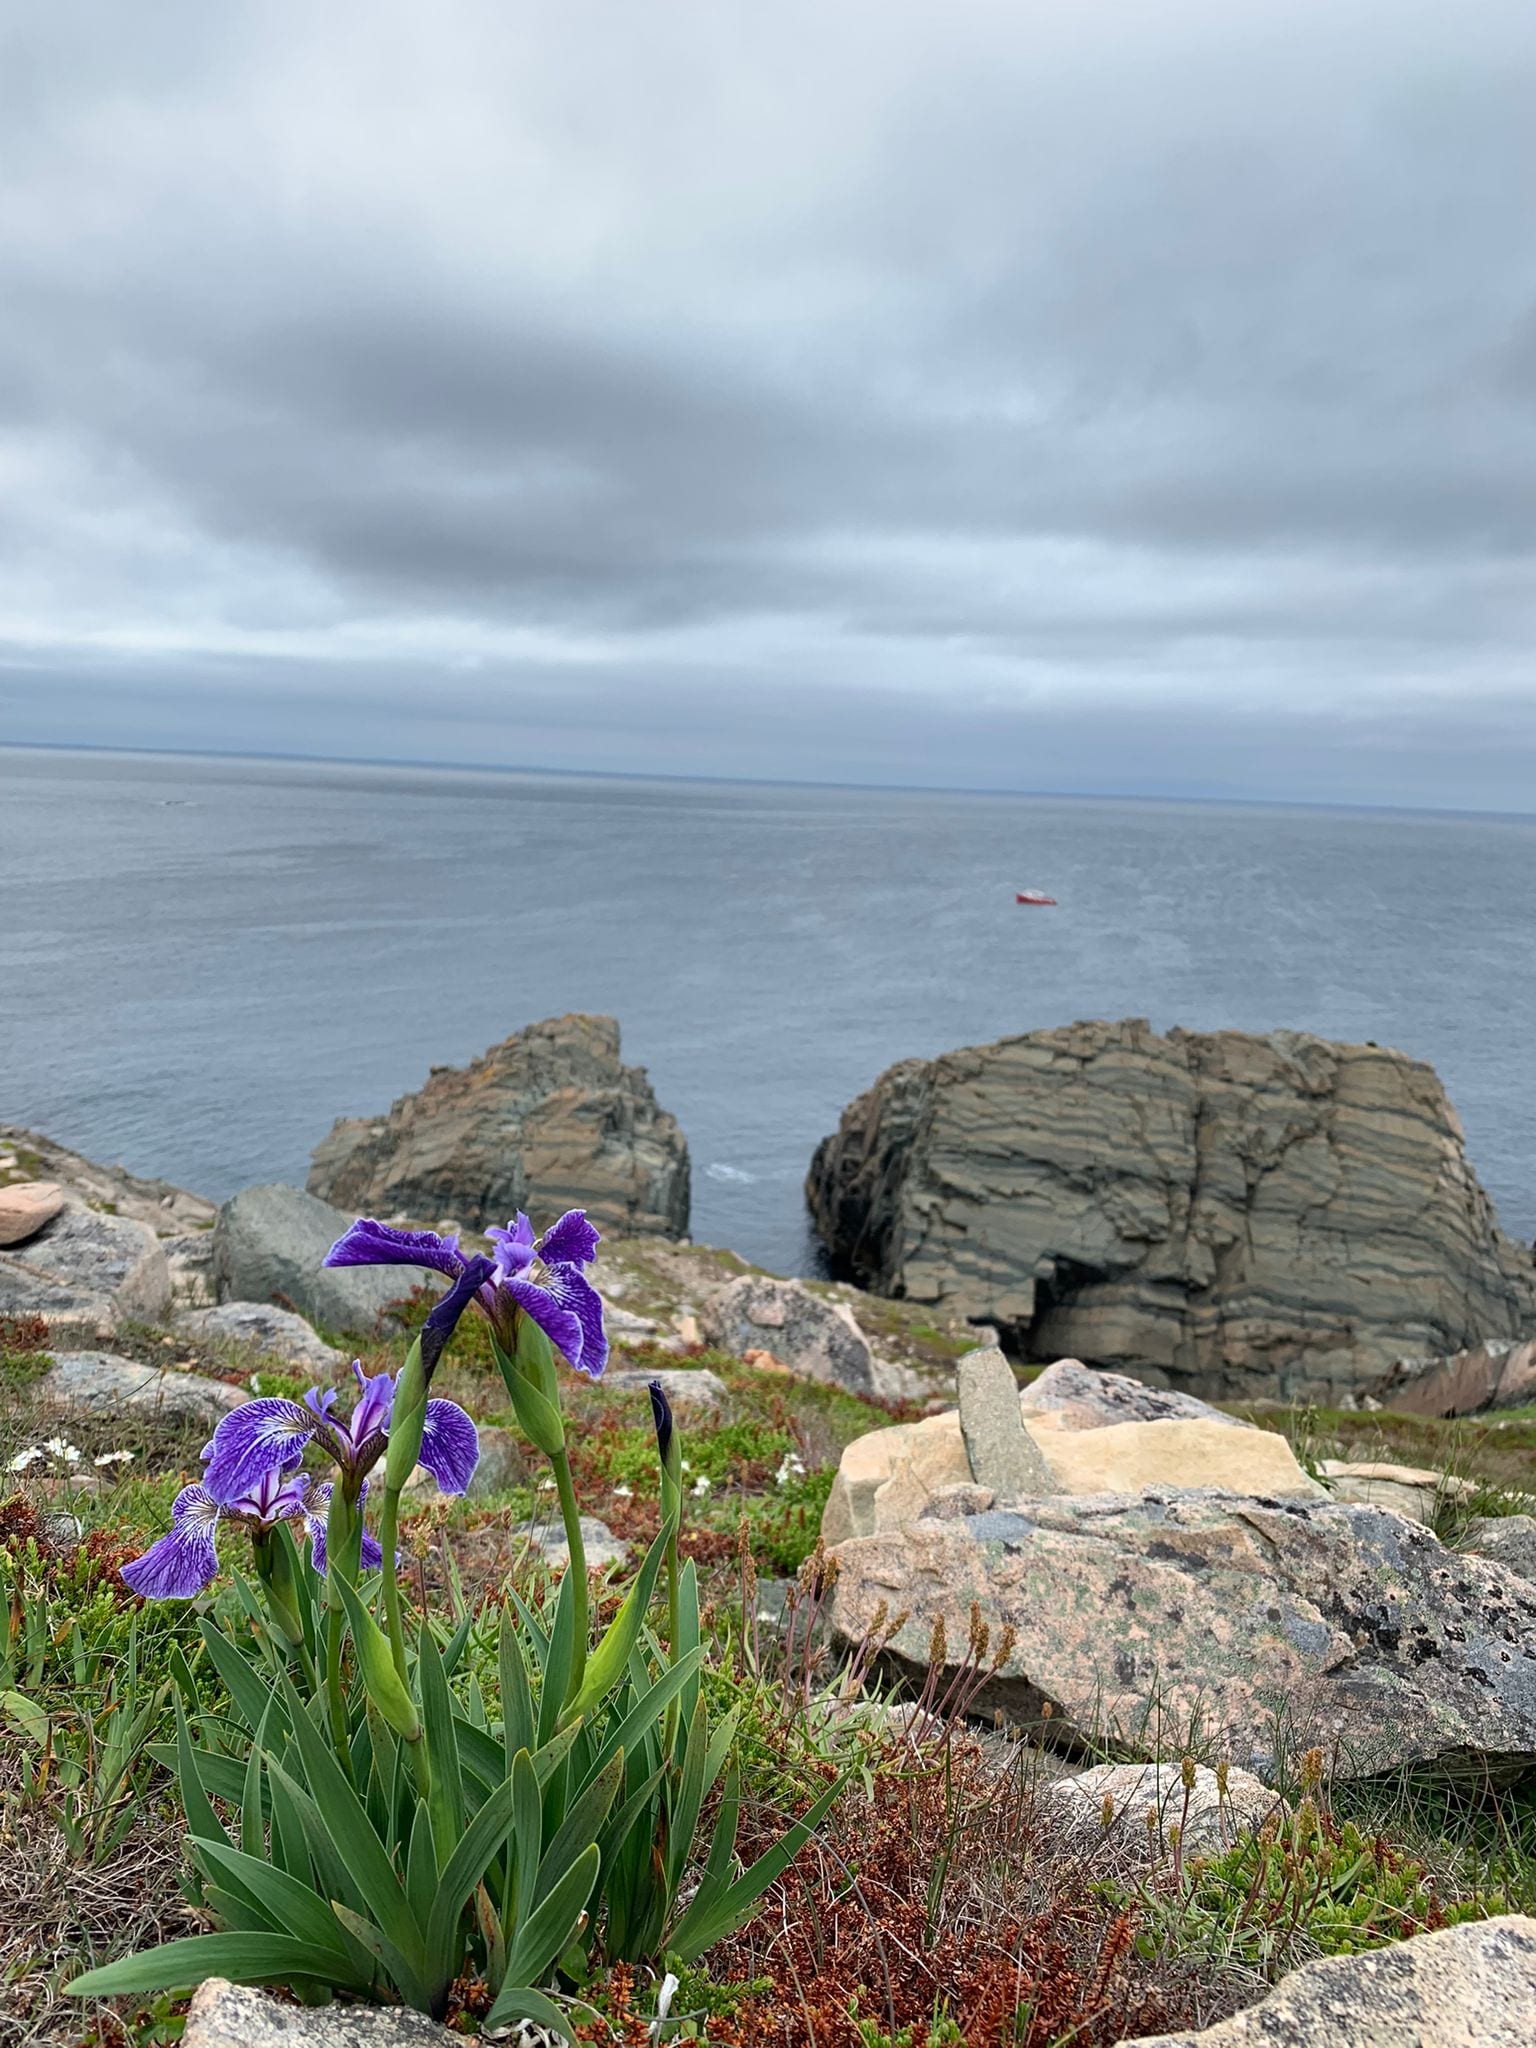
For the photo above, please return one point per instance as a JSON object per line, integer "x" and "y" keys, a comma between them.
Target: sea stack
{"x": 1234, "y": 1214}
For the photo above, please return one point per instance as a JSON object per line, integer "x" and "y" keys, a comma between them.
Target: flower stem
{"x": 389, "y": 1535}
{"x": 571, "y": 1515}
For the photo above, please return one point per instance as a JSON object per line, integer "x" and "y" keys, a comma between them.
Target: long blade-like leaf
{"x": 606, "y": 1664}
{"x": 481, "y": 1844}
{"x": 376, "y": 1888}
{"x": 437, "y": 1716}
{"x": 545, "y": 1934}
{"x": 557, "y": 1665}
{"x": 181, "y": 1965}
{"x": 582, "y": 1825}
{"x": 648, "y": 1709}
{"x": 516, "y": 1694}
{"x": 709, "y": 1920}
{"x": 202, "y": 1822}
{"x": 293, "y": 1907}
{"x": 521, "y": 2002}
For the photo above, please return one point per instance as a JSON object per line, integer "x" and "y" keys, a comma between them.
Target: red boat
{"x": 1034, "y": 896}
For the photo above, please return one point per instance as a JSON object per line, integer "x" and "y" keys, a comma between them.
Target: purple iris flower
{"x": 267, "y": 1435}
{"x": 562, "y": 1300}
{"x": 185, "y": 1560}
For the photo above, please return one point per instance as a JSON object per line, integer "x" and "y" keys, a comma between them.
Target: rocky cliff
{"x": 545, "y": 1121}
{"x": 1236, "y": 1214}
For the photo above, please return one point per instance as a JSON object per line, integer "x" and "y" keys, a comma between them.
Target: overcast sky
{"x": 1115, "y": 395}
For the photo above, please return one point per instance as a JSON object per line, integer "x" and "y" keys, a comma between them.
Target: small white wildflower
{"x": 114, "y": 1458}
{"x": 25, "y": 1458}
{"x": 792, "y": 1467}
{"x": 623, "y": 1492}
{"x": 60, "y": 1449}
{"x": 546, "y": 1486}
{"x": 683, "y": 1462}
{"x": 700, "y": 1486}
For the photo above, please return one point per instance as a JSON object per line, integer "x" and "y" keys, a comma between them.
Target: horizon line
{"x": 1298, "y": 803}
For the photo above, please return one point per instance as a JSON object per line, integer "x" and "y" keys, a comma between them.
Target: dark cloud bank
{"x": 998, "y": 394}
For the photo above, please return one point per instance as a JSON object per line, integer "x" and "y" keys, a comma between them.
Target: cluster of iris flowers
{"x": 252, "y": 1478}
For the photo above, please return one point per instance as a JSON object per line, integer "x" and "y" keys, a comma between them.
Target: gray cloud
{"x": 993, "y": 393}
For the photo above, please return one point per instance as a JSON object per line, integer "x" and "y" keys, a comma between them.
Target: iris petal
{"x": 450, "y": 1446}
{"x": 513, "y": 1247}
{"x": 579, "y": 1298}
{"x": 253, "y": 1440}
{"x": 570, "y": 1241}
{"x": 562, "y": 1328}
{"x": 369, "y": 1243}
{"x": 185, "y": 1561}
{"x": 370, "y": 1556}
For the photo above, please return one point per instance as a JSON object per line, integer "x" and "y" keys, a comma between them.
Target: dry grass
{"x": 59, "y": 1916}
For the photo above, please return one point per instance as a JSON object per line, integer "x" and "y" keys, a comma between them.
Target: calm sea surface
{"x": 202, "y": 963}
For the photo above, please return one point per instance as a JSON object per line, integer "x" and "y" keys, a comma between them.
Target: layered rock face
{"x": 547, "y": 1120}
{"x": 1231, "y": 1213}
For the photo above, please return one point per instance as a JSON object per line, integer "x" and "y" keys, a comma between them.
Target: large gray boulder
{"x": 814, "y": 1338}
{"x": 269, "y": 1245}
{"x": 86, "y": 1272}
{"x": 99, "y": 1383}
{"x": 1232, "y": 1214}
{"x": 546, "y": 1121}
{"x": 256, "y": 1326}
{"x": 1138, "y": 1620}
{"x": 1471, "y": 1986}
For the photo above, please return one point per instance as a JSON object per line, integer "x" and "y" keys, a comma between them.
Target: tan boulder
{"x": 25, "y": 1206}
{"x": 1140, "y": 1457}
{"x": 931, "y": 1454}
{"x": 886, "y": 1478}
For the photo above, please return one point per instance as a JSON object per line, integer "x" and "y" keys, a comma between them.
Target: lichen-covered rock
{"x": 1507, "y": 1540}
{"x": 547, "y": 1120}
{"x": 810, "y": 1337}
{"x": 1000, "y": 1451}
{"x": 269, "y": 1244}
{"x": 1209, "y": 1813}
{"x": 1470, "y": 1986}
{"x": 1140, "y": 1619}
{"x": 1081, "y": 1398}
{"x": 225, "y": 2015}
{"x": 100, "y": 1383}
{"x": 87, "y": 1272}
{"x": 1229, "y": 1213}
{"x": 275, "y": 1333}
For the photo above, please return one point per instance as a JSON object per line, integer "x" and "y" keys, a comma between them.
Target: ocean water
{"x": 203, "y": 962}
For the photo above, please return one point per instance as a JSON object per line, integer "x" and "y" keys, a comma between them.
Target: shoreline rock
{"x": 1231, "y": 1213}
{"x": 547, "y": 1120}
